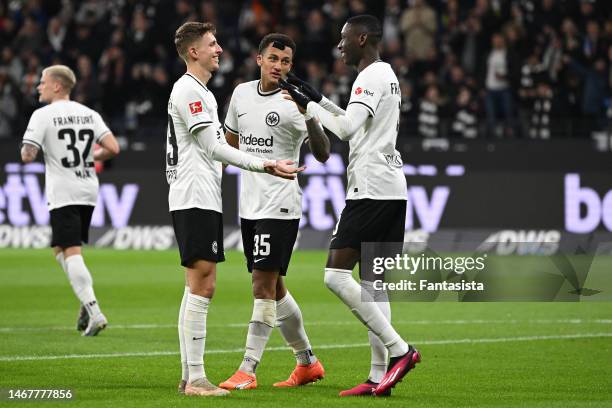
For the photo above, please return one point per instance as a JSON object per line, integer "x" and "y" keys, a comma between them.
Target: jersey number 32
{"x": 74, "y": 157}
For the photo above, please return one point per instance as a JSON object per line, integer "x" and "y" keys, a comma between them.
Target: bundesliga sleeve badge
{"x": 195, "y": 107}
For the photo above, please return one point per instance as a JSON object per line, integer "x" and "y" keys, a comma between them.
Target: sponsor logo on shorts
{"x": 171, "y": 175}
{"x": 215, "y": 247}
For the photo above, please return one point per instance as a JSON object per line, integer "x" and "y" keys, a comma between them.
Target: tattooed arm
{"x": 28, "y": 152}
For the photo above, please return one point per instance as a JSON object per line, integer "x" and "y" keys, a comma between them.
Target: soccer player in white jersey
{"x": 195, "y": 147}
{"x": 262, "y": 122}
{"x": 66, "y": 132}
{"x": 376, "y": 198}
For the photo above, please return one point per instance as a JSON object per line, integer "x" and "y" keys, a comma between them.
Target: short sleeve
{"x": 100, "y": 129}
{"x": 366, "y": 91}
{"x": 192, "y": 108}
{"x": 35, "y": 132}
{"x": 231, "y": 118}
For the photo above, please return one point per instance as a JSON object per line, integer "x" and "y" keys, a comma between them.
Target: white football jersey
{"x": 194, "y": 178}
{"x": 270, "y": 127}
{"x": 375, "y": 167}
{"x": 66, "y": 132}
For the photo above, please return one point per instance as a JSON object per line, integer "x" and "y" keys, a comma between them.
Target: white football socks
{"x": 181, "y": 324}
{"x": 60, "y": 260}
{"x": 341, "y": 282}
{"x": 82, "y": 283}
{"x": 291, "y": 325}
{"x": 260, "y": 328}
{"x": 194, "y": 334}
{"x": 380, "y": 355}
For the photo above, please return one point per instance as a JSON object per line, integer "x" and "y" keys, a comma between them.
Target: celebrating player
{"x": 260, "y": 121}
{"x": 66, "y": 132}
{"x": 195, "y": 144}
{"x": 376, "y": 199}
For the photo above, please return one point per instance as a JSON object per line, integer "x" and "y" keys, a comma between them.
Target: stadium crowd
{"x": 468, "y": 69}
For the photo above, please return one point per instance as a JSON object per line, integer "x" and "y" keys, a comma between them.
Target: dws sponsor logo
{"x": 139, "y": 237}
{"x": 522, "y": 242}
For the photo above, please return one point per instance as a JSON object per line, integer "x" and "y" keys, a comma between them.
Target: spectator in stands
{"x": 498, "y": 99}
{"x": 594, "y": 79}
{"x": 465, "y": 116}
{"x": 87, "y": 90}
{"x": 544, "y": 110}
{"x": 593, "y": 46}
{"x": 12, "y": 63}
{"x": 469, "y": 43}
{"x": 56, "y": 33}
{"x": 418, "y": 24}
{"x": 429, "y": 113}
{"x": 445, "y": 44}
{"x": 29, "y": 38}
{"x": 9, "y": 104}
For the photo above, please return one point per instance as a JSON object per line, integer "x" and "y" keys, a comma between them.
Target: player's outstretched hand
{"x": 305, "y": 87}
{"x": 299, "y": 97}
{"x": 283, "y": 168}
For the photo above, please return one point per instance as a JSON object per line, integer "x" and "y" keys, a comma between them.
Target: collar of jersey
{"x": 262, "y": 93}
{"x": 197, "y": 80}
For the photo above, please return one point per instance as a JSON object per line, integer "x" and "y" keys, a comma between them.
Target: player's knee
{"x": 264, "y": 284}
{"x": 329, "y": 280}
{"x": 335, "y": 279}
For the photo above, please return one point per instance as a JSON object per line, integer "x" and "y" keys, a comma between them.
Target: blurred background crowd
{"x": 535, "y": 69}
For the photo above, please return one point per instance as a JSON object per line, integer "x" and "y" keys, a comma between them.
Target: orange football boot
{"x": 303, "y": 374}
{"x": 240, "y": 381}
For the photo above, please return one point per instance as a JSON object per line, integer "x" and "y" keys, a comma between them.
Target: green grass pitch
{"x": 474, "y": 354}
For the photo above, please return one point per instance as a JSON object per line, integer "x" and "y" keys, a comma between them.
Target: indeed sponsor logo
{"x": 256, "y": 141}
{"x": 584, "y": 208}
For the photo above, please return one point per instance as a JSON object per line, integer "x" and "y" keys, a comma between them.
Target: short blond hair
{"x": 62, "y": 74}
{"x": 189, "y": 33}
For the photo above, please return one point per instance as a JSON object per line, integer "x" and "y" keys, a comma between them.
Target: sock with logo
{"x": 194, "y": 334}
{"x": 291, "y": 325}
{"x": 181, "y": 323}
{"x": 342, "y": 284}
{"x": 82, "y": 283}
{"x": 260, "y": 328}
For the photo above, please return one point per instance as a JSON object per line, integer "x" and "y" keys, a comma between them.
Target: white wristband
{"x": 308, "y": 115}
